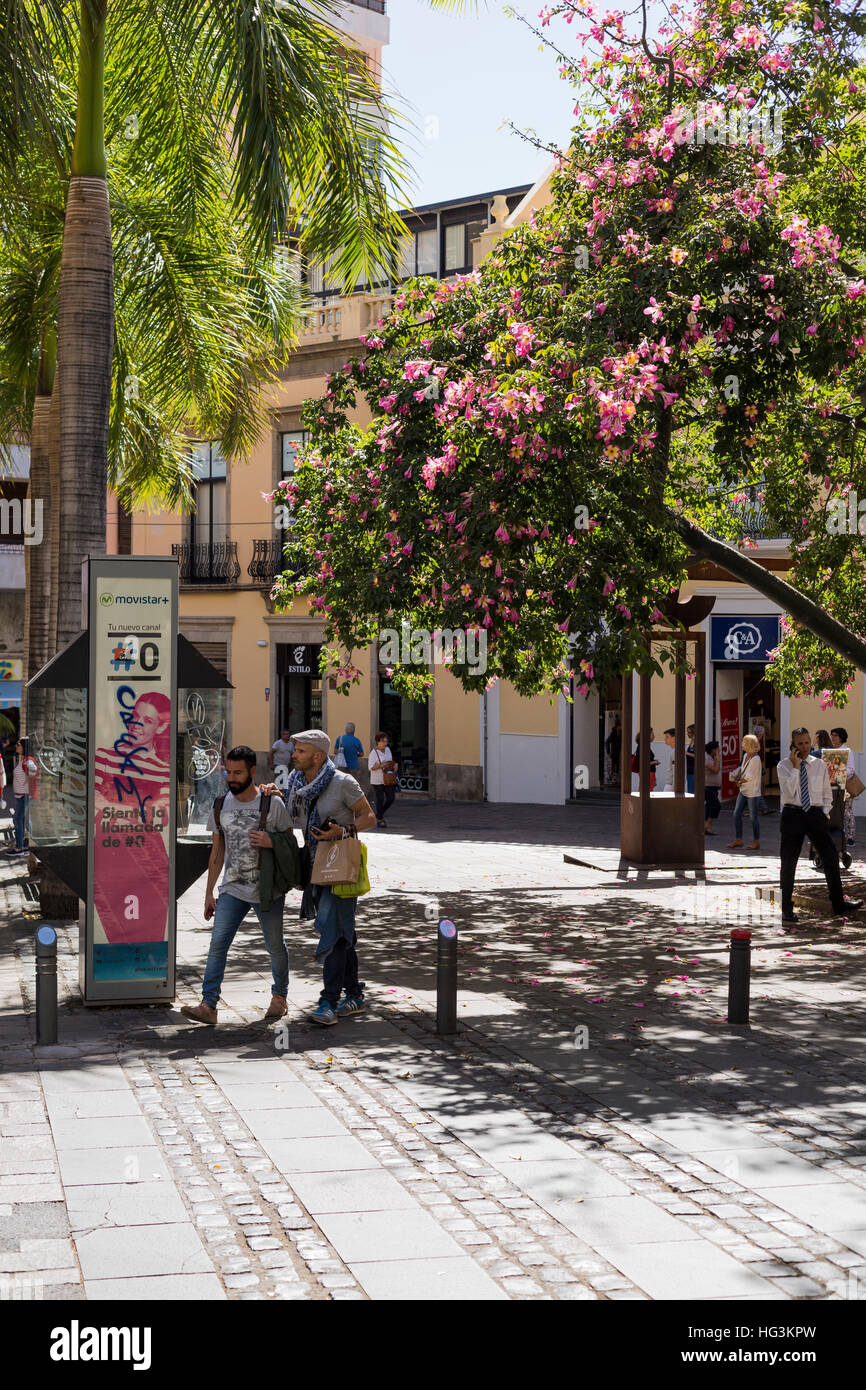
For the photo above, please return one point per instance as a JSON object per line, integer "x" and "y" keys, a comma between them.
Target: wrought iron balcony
{"x": 268, "y": 562}
{"x": 215, "y": 563}
{"x": 746, "y": 507}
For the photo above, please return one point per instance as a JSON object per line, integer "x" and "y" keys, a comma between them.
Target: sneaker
{"x": 278, "y": 1007}
{"x": 323, "y": 1015}
{"x": 200, "y": 1013}
{"x": 352, "y": 1004}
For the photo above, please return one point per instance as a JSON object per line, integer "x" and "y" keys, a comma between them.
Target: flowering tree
{"x": 556, "y": 436}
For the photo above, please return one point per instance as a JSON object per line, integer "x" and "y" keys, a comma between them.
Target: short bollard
{"x": 739, "y": 966}
{"x": 446, "y": 978}
{"x": 46, "y": 985}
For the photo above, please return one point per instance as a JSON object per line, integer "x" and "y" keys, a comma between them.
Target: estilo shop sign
{"x": 744, "y": 638}
{"x": 297, "y": 659}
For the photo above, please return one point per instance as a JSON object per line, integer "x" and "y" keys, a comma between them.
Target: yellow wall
{"x": 457, "y": 722}
{"x": 518, "y": 715}
{"x": 808, "y": 714}
{"x": 354, "y": 707}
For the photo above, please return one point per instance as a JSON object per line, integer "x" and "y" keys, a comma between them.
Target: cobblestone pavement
{"x": 596, "y": 1130}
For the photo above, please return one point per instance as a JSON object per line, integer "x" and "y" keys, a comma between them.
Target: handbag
{"x": 854, "y": 786}
{"x": 389, "y": 777}
{"x": 337, "y": 861}
{"x": 339, "y": 755}
{"x": 354, "y": 890}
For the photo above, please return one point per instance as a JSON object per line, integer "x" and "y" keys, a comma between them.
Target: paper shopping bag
{"x": 337, "y": 861}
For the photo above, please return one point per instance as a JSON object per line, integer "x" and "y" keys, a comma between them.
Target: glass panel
{"x": 218, "y": 503}
{"x": 428, "y": 260}
{"x": 316, "y": 703}
{"x": 407, "y": 257}
{"x": 200, "y": 457}
{"x": 455, "y": 247}
{"x": 201, "y": 734}
{"x": 57, "y": 723}
{"x": 292, "y": 441}
{"x": 217, "y": 460}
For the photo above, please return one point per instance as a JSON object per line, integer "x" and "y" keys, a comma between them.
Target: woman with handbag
{"x": 748, "y": 782}
{"x": 383, "y": 777}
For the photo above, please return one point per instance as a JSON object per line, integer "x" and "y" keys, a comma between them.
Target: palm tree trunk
{"x": 85, "y": 330}
{"x": 37, "y": 558}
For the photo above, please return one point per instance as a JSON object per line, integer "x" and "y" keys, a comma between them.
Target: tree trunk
{"x": 37, "y": 558}
{"x": 802, "y": 609}
{"x": 85, "y": 330}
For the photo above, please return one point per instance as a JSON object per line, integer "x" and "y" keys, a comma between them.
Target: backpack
{"x": 264, "y": 808}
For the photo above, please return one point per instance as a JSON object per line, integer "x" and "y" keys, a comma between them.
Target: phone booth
{"x": 664, "y": 829}
{"x": 127, "y": 726}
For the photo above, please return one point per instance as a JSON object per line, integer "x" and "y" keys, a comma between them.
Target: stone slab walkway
{"x": 596, "y": 1130}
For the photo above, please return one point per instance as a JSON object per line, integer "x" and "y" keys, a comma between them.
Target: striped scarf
{"x": 299, "y": 789}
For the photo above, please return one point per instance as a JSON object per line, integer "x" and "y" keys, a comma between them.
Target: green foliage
{"x": 683, "y": 322}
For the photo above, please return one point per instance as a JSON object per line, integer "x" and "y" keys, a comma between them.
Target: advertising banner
{"x": 133, "y": 621}
{"x": 729, "y": 723}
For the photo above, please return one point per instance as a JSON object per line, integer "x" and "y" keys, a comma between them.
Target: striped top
{"x": 130, "y": 773}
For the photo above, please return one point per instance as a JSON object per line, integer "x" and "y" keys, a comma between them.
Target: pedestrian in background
{"x": 23, "y": 787}
{"x": 690, "y": 759}
{"x": 383, "y": 777}
{"x": 839, "y": 739}
{"x": 712, "y": 784}
{"x": 748, "y": 780}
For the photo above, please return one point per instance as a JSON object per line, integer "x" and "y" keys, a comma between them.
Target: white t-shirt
{"x": 282, "y": 752}
{"x": 237, "y": 818}
{"x": 751, "y": 783}
{"x": 377, "y": 773}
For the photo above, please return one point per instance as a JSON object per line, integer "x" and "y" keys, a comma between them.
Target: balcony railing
{"x": 215, "y": 563}
{"x": 377, "y": 5}
{"x": 268, "y": 562}
{"x": 745, "y": 506}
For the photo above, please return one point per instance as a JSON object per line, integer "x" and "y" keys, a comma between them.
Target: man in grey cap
{"x": 328, "y": 799}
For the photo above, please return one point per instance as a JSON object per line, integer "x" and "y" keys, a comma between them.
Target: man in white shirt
{"x": 280, "y": 756}
{"x": 806, "y": 798}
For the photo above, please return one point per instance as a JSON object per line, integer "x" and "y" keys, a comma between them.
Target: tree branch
{"x": 802, "y": 609}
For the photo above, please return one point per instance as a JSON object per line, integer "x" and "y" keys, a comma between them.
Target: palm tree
{"x": 260, "y": 103}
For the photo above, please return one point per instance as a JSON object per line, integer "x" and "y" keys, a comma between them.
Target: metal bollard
{"x": 46, "y": 985}
{"x": 739, "y": 966}
{"x": 446, "y": 978}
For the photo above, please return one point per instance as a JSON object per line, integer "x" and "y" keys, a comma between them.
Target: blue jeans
{"x": 230, "y": 912}
{"x": 335, "y": 923}
{"x": 20, "y": 809}
{"x": 753, "y": 803}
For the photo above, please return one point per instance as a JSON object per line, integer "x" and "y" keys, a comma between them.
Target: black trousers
{"x": 796, "y": 824}
{"x": 384, "y": 797}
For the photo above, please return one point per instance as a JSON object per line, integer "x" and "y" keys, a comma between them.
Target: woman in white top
{"x": 839, "y": 740}
{"x": 23, "y": 779}
{"x": 380, "y": 761}
{"x": 748, "y": 779}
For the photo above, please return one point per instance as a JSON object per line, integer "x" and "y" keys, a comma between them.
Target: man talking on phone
{"x": 806, "y": 797}
{"x": 239, "y": 836}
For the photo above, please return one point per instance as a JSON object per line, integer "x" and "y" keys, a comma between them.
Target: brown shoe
{"x": 201, "y": 1013}
{"x": 278, "y": 1007}
{"x": 735, "y": 844}
{"x": 756, "y": 844}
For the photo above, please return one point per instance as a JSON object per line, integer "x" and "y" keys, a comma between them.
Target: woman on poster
{"x": 132, "y": 820}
